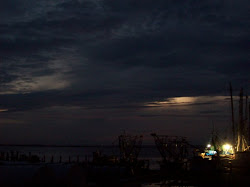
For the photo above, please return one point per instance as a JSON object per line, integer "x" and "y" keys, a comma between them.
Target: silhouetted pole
{"x": 17, "y": 155}
{"x": 241, "y": 122}
{"x": 7, "y": 156}
{"x": 246, "y": 113}
{"x": 52, "y": 159}
{"x": 29, "y": 155}
{"x": 11, "y": 155}
{"x": 249, "y": 123}
{"x": 232, "y": 108}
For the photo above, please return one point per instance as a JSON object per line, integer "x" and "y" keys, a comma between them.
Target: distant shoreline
{"x": 38, "y": 145}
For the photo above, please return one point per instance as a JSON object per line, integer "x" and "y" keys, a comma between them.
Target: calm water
{"x": 150, "y": 152}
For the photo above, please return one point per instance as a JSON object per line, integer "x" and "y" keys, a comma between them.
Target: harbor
{"x": 170, "y": 161}
{"x": 124, "y": 93}
{"x": 109, "y": 166}
{"x": 197, "y": 172}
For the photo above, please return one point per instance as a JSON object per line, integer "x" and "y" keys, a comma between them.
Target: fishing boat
{"x": 242, "y": 130}
{"x": 237, "y": 149}
{"x": 174, "y": 153}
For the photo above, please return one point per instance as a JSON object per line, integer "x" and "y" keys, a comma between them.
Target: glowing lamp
{"x": 227, "y": 147}
{"x": 208, "y": 145}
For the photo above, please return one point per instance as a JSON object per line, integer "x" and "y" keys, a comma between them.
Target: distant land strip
{"x": 41, "y": 145}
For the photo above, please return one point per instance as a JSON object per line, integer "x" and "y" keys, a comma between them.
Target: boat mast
{"x": 241, "y": 124}
{"x": 246, "y": 117}
{"x": 246, "y": 107}
{"x": 249, "y": 123}
{"x": 232, "y": 109}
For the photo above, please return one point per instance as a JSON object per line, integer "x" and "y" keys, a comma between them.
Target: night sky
{"x": 83, "y": 71}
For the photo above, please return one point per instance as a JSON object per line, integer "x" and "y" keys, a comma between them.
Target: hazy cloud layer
{"x": 120, "y": 54}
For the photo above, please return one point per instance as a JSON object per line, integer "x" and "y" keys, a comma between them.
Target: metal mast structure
{"x": 171, "y": 148}
{"x": 249, "y": 123}
{"x": 242, "y": 133}
{"x": 129, "y": 146}
{"x": 232, "y": 109}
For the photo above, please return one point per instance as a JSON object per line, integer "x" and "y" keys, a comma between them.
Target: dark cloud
{"x": 112, "y": 55}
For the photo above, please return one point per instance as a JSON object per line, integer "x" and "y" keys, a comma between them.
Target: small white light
{"x": 208, "y": 145}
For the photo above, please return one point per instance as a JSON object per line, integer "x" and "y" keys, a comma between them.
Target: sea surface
{"x": 86, "y": 152}
{"x": 83, "y": 153}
